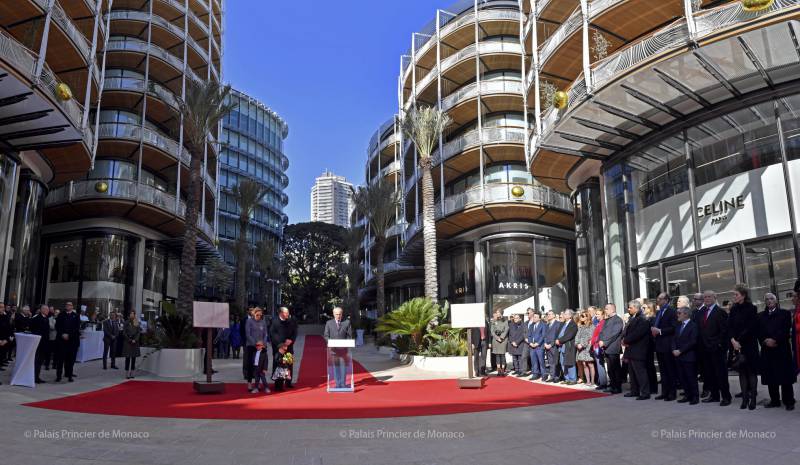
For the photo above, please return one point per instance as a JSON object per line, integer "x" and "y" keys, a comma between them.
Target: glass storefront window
{"x": 105, "y": 274}
{"x": 510, "y": 277}
{"x": 651, "y": 281}
{"x": 718, "y": 273}
{"x": 681, "y": 278}
{"x": 551, "y": 275}
{"x": 462, "y": 272}
{"x": 63, "y": 272}
{"x": 770, "y": 267}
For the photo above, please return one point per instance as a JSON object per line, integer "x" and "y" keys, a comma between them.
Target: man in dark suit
{"x": 480, "y": 346}
{"x": 714, "y": 340}
{"x": 283, "y": 330}
{"x": 40, "y": 326}
{"x": 696, "y": 316}
{"x": 663, "y": 331}
{"x": 111, "y": 330}
{"x": 777, "y": 367}
{"x": 535, "y": 341}
{"x": 550, "y": 350}
{"x": 684, "y": 345}
{"x": 636, "y": 339}
{"x": 610, "y": 339}
{"x": 337, "y": 328}
{"x": 68, "y": 339}
{"x": 566, "y": 347}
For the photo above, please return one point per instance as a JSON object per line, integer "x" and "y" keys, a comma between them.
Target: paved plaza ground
{"x": 607, "y": 430}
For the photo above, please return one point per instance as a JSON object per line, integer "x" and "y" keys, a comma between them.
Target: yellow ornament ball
{"x": 63, "y": 92}
{"x": 560, "y": 100}
{"x": 756, "y": 5}
{"x": 101, "y": 187}
{"x": 517, "y": 191}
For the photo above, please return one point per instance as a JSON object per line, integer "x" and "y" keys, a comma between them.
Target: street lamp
{"x": 272, "y": 296}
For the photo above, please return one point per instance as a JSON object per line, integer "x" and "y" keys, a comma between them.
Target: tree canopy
{"x": 313, "y": 253}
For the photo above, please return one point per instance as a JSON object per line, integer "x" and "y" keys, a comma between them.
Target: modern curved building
{"x": 677, "y": 141}
{"x": 503, "y": 237}
{"x": 114, "y": 210}
{"x": 252, "y": 148}
{"x": 50, "y": 79}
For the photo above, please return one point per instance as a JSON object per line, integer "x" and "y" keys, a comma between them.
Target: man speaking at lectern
{"x": 337, "y": 328}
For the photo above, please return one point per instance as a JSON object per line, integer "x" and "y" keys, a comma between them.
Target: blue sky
{"x": 329, "y": 69}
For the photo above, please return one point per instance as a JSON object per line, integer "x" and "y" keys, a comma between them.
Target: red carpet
{"x": 373, "y": 398}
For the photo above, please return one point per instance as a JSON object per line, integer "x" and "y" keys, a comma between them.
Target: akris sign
{"x": 719, "y": 210}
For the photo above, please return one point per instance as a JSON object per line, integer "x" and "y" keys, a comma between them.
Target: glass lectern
{"x": 340, "y": 365}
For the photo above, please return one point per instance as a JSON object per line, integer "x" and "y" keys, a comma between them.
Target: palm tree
{"x": 202, "y": 110}
{"x": 351, "y": 269}
{"x": 378, "y": 204}
{"x": 248, "y": 195}
{"x": 413, "y": 319}
{"x": 423, "y": 127}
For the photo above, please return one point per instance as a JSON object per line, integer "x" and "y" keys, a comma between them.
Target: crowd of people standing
{"x": 673, "y": 345}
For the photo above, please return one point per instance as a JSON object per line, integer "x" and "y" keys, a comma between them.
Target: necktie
{"x": 708, "y": 312}
{"x": 683, "y": 326}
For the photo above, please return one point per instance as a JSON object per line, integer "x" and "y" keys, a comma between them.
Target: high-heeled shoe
{"x": 752, "y": 403}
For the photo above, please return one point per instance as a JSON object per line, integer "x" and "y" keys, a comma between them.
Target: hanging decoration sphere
{"x": 756, "y": 5}
{"x": 63, "y": 92}
{"x": 101, "y": 187}
{"x": 517, "y": 191}
{"x": 560, "y": 100}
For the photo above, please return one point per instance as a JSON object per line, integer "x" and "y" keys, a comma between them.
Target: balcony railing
{"x": 501, "y": 193}
{"x": 124, "y": 190}
{"x": 161, "y": 22}
{"x": 135, "y": 45}
{"x": 490, "y": 136}
{"x": 392, "y": 167}
{"x": 451, "y": 23}
{"x": 138, "y": 85}
{"x": 484, "y": 48}
{"x": 567, "y": 28}
{"x": 376, "y": 136}
{"x": 60, "y": 17}
{"x": 133, "y": 132}
{"x": 495, "y": 86}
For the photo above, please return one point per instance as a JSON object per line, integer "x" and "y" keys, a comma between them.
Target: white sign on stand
{"x": 210, "y": 315}
{"x": 467, "y": 315}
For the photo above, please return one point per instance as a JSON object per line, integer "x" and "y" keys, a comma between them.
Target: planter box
{"x": 172, "y": 363}
{"x": 445, "y": 364}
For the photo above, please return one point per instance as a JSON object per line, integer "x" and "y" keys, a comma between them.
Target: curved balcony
{"x": 162, "y": 106}
{"x": 660, "y": 81}
{"x": 140, "y": 202}
{"x": 462, "y": 153}
{"x": 498, "y": 94}
{"x": 390, "y": 170}
{"x": 456, "y": 33}
{"x": 377, "y": 136}
{"x": 198, "y": 28}
{"x": 491, "y": 53}
{"x": 159, "y": 151}
{"x": 161, "y": 38}
{"x": 140, "y": 47}
{"x": 30, "y": 122}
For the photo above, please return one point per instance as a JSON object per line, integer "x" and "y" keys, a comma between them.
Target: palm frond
{"x": 378, "y": 203}
{"x": 422, "y": 126}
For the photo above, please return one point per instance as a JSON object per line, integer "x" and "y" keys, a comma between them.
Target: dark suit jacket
{"x": 611, "y": 335}
{"x": 636, "y": 337}
{"x": 262, "y": 361}
{"x": 714, "y": 331}
{"x": 667, "y": 324}
{"x": 110, "y": 330}
{"x": 686, "y": 342}
{"x": 40, "y": 326}
{"x": 70, "y": 324}
{"x": 516, "y": 333}
{"x": 536, "y": 335}
{"x": 343, "y": 331}
{"x": 281, "y": 330}
{"x": 551, "y": 332}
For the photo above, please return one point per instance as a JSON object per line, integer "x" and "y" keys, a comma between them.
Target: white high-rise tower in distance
{"x": 332, "y": 200}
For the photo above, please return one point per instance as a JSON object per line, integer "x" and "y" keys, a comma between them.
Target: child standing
{"x": 282, "y": 363}
{"x": 260, "y": 368}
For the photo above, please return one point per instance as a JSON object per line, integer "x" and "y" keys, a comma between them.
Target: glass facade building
{"x": 252, "y": 137}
